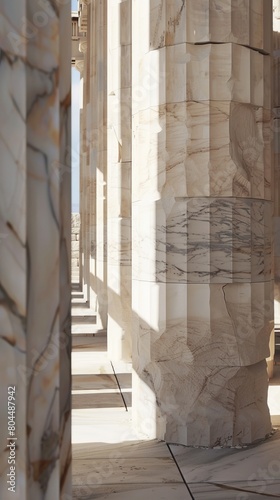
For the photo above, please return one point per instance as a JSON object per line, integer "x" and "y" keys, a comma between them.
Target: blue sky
{"x": 74, "y": 4}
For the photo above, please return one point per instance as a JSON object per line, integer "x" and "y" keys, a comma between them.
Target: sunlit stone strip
{"x": 202, "y": 295}
{"x": 101, "y": 163}
{"x": 80, "y": 67}
{"x": 119, "y": 180}
{"x": 85, "y": 179}
{"x": 92, "y": 134}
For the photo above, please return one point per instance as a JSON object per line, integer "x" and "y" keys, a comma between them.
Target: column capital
{"x": 79, "y": 65}
{"x": 83, "y": 46}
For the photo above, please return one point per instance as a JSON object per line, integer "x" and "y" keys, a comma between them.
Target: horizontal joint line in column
{"x": 261, "y": 51}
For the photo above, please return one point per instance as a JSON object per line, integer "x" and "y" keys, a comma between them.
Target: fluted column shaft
{"x": 119, "y": 180}
{"x": 101, "y": 163}
{"x": 276, "y": 133}
{"x": 202, "y": 294}
{"x": 35, "y": 256}
{"x": 86, "y": 172}
{"x": 92, "y": 145}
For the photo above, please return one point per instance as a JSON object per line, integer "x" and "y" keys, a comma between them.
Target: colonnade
{"x": 178, "y": 193}
{"x": 179, "y": 115}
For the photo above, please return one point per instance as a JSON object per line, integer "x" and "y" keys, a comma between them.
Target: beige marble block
{"x": 119, "y": 241}
{"x": 203, "y": 240}
{"x": 118, "y": 190}
{"x": 187, "y": 72}
{"x": 119, "y": 317}
{"x": 119, "y": 179}
{"x": 119, "y": 126}
{"x": 244, "y": 22}
{"x": 202, "y": 325}
{"x": 180, "y": 157}
{"x": 210, "y": 407}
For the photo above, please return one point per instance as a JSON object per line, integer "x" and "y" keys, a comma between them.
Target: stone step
{"x": 83, "y": 311}
{"x": 77, "y": 296}
{"x": 86, "y": 329}
{"x": 83, "y": 329}
{"x": 79, "y": 301}
{"x": 83, "y": 320}
{"x": 77, "y": 292}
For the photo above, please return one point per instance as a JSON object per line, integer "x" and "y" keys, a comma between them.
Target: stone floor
{"x": 112, "y": 462}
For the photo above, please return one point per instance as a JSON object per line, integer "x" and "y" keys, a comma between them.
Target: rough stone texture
{"x": 119, "y": 180}
{"x": 35, "y": 294}
{"x": 202, "y": 295}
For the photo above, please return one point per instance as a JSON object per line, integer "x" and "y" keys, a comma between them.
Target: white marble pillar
{"x": 84, "y": 68}
{"x": 276, "y": 131}
{"x": 35, "y": 248}
{"x": 65, "y": 253}
{"x": 93, "y": 145}
{"x": 85, "y": 176}
{"x": 119, "y": 180}
{"x": 101, "y": 163}
{"x": 79, "y": 65}
{"x": 202, "y": 294}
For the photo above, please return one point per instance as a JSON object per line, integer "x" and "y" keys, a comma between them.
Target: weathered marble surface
{"x": 239, "y": 21}
{"x": 231, "y": 321}
{"x": 100, "y": 76}
{"x": 179, "y": 157}
{"x": 203, "y": 240}
{"x": 216, "y": 72}
{"x": 35, "y": 199}
{"x": 13, "y": 290}
{"x": 119, "y": 179}
{"x": 201, "y": 217}
{"x": 252, "y": 464}
{"x": 276, "y": 130}
{"x": 65, "y": 253}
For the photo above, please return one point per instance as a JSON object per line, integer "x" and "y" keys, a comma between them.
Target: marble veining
{"x": 35, "y": 108}
{"x": 241, "y": 22}
{"x": 202, "y": 220}
{"x": 234, "y": 160}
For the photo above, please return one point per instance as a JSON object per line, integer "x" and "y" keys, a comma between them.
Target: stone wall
{"x": 75, "y": 244}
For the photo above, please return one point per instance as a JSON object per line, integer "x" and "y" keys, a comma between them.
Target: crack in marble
{"x": 46, "y": 162}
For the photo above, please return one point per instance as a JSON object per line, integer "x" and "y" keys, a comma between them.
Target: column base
{"x": 202, "y": 406}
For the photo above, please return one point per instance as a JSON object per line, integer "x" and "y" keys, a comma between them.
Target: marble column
{"x": 65, "y": 344}
{"x": 93, "y": 145}
{"x": 202, "y": 291}
{"x": 119, "y": 180}
{"x": 84, "y": 155}
{"x": 276, "y": 132}
{"x": 35, "y": 250}
{"x": 101, "y": 162}
{"x": 79, "y": 65}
